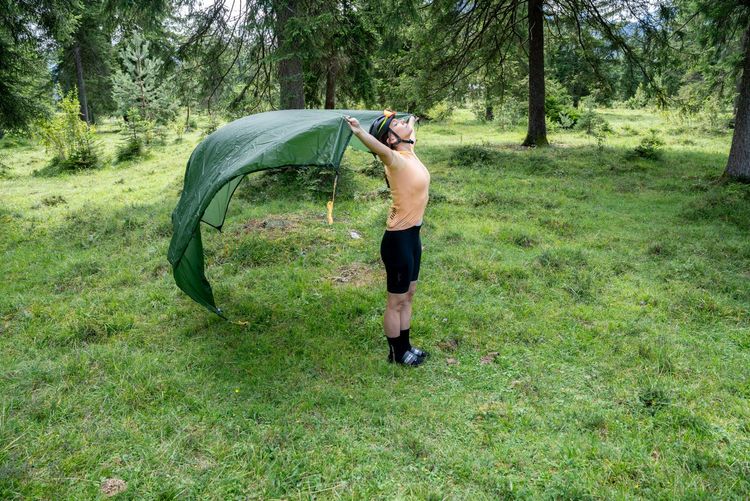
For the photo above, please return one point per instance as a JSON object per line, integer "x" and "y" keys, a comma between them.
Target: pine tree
{"x": 139, "y": 88}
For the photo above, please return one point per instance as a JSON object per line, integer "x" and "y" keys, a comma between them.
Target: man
{"x": 392, "y": 140}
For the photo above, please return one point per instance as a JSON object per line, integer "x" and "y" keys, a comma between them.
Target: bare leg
{"x": 406, "y": 310}
{"x": 393, "y": 312}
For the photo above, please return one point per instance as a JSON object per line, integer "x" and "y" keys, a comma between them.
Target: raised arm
{"x": 412, "y": 122}
{"x": 382, "y": 151}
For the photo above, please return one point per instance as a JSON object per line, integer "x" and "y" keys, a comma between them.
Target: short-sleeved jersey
{"x": 409, "y": 180}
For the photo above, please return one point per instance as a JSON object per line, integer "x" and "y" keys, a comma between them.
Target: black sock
{"x": 397, "y": 346}
{"x": 405, "y": 335}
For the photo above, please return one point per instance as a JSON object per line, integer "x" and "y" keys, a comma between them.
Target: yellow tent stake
{"x": 329, "y": 205}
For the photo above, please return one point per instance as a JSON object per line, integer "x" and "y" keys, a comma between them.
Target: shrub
{"x": 479, "y": 109}
{"x": 510, "y": 114}
{"x": 84, "y": 158}
{"x": 4, "y": 168}
{"x": 14, "y": 139}
{"x": 639, "y": 99}
{"x": 374, "y": 169}
{"x": 590, "y": 121}
{"x": 558, "y": 105}
{"x": 472, "y": 155}
{"x": 441, "y": 111}
{"x": 137, "y": 127}
{"x": 600, "y": 135}
{"x": 71, "y": 139}
{"x": 627, "y": 130}
{"x": 313, "y": 182}
{"x": 179, "y": 130}
{"x": 132, "y": 148}
{"x": 650, "y": 146}
{"x": 552, "y": 107}
{"x": 552, "y": 125}
{"x": 157, "y": 135}
{"x": 213, "y": 124}
{"x": 712, "y": 116}
{"x": 566, "y": 122}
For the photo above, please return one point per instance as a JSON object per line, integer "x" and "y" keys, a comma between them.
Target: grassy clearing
{"x": 608, "y": 296}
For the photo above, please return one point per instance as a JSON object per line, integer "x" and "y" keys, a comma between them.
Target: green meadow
{"x": 587, "y": 312}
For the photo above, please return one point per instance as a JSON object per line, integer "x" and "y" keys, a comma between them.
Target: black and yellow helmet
{"x": 382, "y": 125}
{"x": 381, "y": 129}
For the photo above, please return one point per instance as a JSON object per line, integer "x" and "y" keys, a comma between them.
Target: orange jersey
{"x": 409, "y": 180}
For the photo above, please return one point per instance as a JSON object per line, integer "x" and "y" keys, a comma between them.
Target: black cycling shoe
{"x": 413, "y": 349}
{"x": 408, "y": 358}
{"x": 418, "y": 352}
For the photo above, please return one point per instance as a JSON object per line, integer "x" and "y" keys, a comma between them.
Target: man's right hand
{"x": 353, "y": 123}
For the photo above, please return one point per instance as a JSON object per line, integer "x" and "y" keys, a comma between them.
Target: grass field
{"x": 588, "y": 315}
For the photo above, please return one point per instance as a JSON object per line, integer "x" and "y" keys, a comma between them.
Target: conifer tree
{"x": 140, "y": 86}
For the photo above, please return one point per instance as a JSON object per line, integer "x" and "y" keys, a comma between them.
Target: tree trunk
{"x": 81, "y": 84}
{"x": 537, "y": 132}
{"x": 291, "y": 89}
{"x": 738, "y": 165}
{"x": 331, "y": 87}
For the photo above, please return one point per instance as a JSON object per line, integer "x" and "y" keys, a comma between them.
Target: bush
{"x": 590, "y": 121}
{"x": 696, "y": 106}
{"x": 213, "y": 124}
{"x": 158, "y": 135}
{"x": 84, "y": 158}
{"x": 132, "y": 148}
{"x": 179, "y": 130}
{"x": 713, "y": 116}
{"x": 479, "y": 109}
{"x": 558, "y": 105}
{"x": 374, "y": 169}
{"x": 650, "y": 146}
{"x": 318, "y": 181}
{"x": 138, "y": 128}
{"x": 552, "y": 125}
{"x": 639, "y": 99}
{"x": 14, "y": 139}
{"x": 69, "y": 137}
{"x": 472, "y": 155}
{"x": 4, "y": 168}
{"x": 627, "y": 130}
{"x": 441, "y": 111}
{"x": 565, "y": 120}
{"x": 510, "y": 114}
{"x": 313, "y": 182}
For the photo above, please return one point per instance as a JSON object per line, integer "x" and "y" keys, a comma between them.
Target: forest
{"x": 584, "y": 290}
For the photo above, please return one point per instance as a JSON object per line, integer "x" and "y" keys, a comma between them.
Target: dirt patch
{"x": 283, "y": 222}
{"x": 270, "y": 223}
{"x": 488, "y": 358}
{"x": 357, "y": 274}
{"x": 450, "y": 344}
{"x": 113, "y": 486}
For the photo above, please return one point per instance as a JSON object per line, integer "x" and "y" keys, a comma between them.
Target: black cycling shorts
{"x": 401, "y": 251}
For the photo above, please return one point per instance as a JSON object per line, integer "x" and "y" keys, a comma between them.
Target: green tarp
{"x": 219, "y": 163}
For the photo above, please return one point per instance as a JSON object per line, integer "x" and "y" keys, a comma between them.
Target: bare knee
{"x": 398, "y": 301}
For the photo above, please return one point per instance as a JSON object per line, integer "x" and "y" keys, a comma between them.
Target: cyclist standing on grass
{"x": 392, "y": 140}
